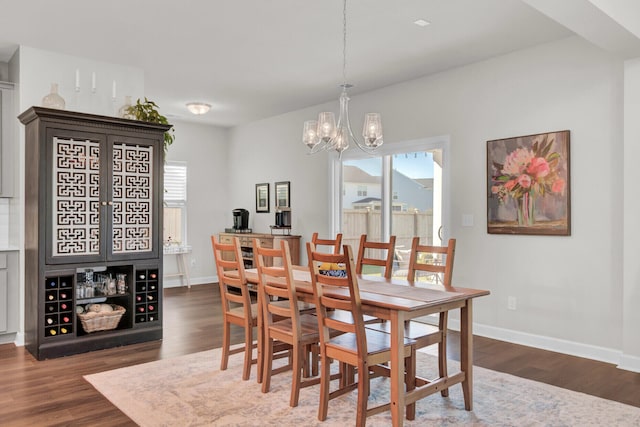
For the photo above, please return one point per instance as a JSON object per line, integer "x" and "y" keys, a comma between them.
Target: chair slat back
{"x": 228, "y": 257}
{"x": 277, "y": 284}
{"x": 365, "y": 255}
{"x": 333, "y": 243}
{"x": 432, "y": 259}
{"x": 341, "y": 293}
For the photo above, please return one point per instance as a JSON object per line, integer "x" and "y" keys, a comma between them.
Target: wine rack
{"x": 147, "y": 296}
{"x": 58, "y": 306}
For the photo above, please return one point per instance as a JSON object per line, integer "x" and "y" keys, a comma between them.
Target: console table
{"x": 267, "y": 241}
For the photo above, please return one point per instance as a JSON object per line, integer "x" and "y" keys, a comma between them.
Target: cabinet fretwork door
{"x": 132, "y": 209}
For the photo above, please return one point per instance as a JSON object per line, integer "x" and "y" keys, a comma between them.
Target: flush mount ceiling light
{"x": 198, "y": 108}
{"x": 421, "y": 23}
{"x": 323, "y": 134}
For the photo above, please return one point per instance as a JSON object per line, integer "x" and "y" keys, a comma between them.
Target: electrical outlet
{"x": 511, "y": 303}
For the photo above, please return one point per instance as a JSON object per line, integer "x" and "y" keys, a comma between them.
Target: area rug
{"x": 191, "y": 391}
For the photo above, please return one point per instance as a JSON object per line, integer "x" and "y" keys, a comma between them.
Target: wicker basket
{"x": 93, "y": 321}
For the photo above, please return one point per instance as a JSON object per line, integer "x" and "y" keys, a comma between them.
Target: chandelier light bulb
{"x": 372, "y": 130}
{"x": 310, "y": 133}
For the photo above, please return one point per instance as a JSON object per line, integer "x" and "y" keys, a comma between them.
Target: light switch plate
{"x": 467, "y": 220}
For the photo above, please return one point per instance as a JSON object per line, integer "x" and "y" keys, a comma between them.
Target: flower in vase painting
{"x": 527, "y": 175}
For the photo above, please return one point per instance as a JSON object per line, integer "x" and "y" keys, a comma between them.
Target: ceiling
{"x": 252, "y": 59}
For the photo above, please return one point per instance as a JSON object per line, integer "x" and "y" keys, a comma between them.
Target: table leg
{"x": 185, "y": 269}
{"x": 397, "y": 368}
{"x": 466, "y": 353}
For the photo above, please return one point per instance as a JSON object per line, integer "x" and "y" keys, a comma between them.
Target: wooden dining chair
{"x": 432, "y": 260}
{"x": 237, "y": 308}
{"x": 367, "y": 250}
{"x": 282, "y": 321}
{"x": 333, "y": 243}
{"x": 360, "y": 348}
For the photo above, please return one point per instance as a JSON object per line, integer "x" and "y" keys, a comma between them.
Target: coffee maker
{"x": 240, "y": 219}
{"x": 283, "y": 217}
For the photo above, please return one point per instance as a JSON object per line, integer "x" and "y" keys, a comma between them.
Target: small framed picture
{"x": 283, "y": 198}
{"x": 262, "y": 197}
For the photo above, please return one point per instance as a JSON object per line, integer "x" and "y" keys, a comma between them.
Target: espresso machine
{"x": 241, "y": 220}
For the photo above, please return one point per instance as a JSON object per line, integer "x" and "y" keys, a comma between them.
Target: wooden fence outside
{"x": 404, "y": 225}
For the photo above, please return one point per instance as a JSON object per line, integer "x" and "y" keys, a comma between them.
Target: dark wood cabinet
{"x": 93, "y": 196}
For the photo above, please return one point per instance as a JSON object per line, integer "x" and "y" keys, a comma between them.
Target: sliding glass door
{"x": 400, "y": 191}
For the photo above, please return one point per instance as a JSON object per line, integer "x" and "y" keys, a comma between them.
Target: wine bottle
{"x": 150, "y": 308}
{"x": 138, "y": 298}
{"x": 63, "y": 295}
{"x": 51, "y": 297}
{"x": 142, "y": 277}
{"x": 150, "y": 297}
{"x": 52, "y": 332}
{"x": 141, "y": 309}
{"x": 152, "y": 287}
{"x": 51, "y": 308}
{"x": 52, "y": 284}
{"x": 49, "y": 321}
{"x": 153, "y": 275}
{"x": 151, "y": 318}
{"x": 63, "y": 306}
{"x": 63, "y": 330}
{"x": 65, "y": 319}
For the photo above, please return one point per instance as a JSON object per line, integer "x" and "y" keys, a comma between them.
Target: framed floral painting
{"x": 528, "y": 185}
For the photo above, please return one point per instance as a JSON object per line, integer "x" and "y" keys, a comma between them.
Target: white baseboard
{"x": 19, "y": 339}
{"x": 630, "y": 363}
{"x": 608, "y": 355}
{"x": 8, "y": 338}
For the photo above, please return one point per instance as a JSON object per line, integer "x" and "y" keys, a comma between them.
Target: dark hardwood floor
{"x": 53, "y": 392}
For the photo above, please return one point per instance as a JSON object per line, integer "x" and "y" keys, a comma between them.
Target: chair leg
{"x": 248, "y": 352}
{"x": 325, "y": 381}
{"x": 442, "y": 351}
{"x": 268, "y": 365}
{"x": 226, "y": 343}
{"x": 260, "y": 360}
{"x": 298, "y": 357}
{"x": 363, "y": 394}
{"x": 410, "y": 381}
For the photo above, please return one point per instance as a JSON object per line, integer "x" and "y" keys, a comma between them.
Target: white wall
{"x": 205, "y": 149}
{"x": 569, "y": 289}
{"x": 270, "y": 151}
{"x": 631, "y": 277}
{"x": 39, "y": 68}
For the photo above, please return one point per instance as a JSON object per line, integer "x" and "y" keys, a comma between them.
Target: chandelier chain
{"x": 344, "y": 42}
{"x": 323, "y": 134}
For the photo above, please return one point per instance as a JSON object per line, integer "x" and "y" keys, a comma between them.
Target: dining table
{"x": 397, "y": 301}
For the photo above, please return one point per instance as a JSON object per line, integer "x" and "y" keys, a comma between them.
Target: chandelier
{"x": 324, "y": 134}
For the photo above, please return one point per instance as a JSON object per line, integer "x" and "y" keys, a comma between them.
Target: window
{"x": 175, "y": 203}
{"x": 362, "y": 190}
